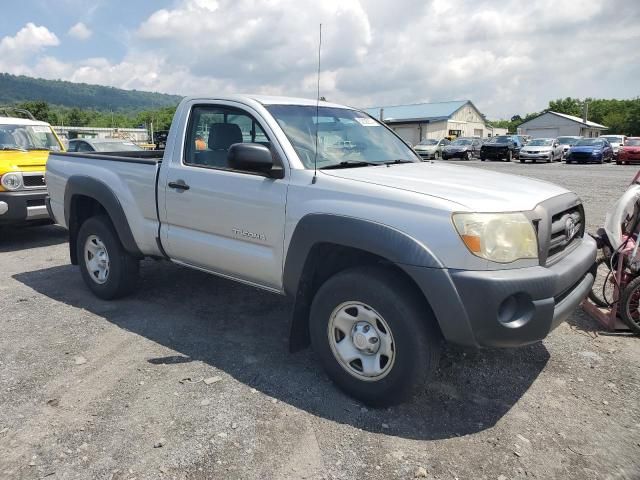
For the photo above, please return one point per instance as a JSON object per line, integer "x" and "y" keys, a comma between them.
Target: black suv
{"x": 502, "y": 147}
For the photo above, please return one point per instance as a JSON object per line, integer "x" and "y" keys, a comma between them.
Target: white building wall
{"x": 469, "y": 121}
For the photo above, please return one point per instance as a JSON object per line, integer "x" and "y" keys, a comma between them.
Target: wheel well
{"x": 324, "y": 261}
{"x": 81, "y": 209}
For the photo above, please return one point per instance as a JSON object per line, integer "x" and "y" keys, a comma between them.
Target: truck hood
{"x": 478, "y": 190}
{"x": 11, "y": 161}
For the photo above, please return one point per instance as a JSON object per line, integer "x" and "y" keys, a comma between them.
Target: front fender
{"x": 314, "y": 229}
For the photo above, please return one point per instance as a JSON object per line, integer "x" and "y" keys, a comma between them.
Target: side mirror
{"x": 253, "y": 157}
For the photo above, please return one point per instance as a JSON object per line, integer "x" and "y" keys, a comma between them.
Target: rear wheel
{"x": 106, "y": 267}
{"x": 373, "y": 334}
{"x": 630, "y": 305}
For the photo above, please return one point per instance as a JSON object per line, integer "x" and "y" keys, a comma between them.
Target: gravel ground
{"x": 190, "y": 378}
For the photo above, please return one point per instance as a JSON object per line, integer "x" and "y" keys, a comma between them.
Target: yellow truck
{"x": 25, "y": 144}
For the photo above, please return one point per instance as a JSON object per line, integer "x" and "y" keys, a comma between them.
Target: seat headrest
{"x": 223, "y": 135}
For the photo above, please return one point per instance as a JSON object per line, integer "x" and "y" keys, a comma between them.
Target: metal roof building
{"x": 555, "y": 124}
{"x": 458, "y": 118}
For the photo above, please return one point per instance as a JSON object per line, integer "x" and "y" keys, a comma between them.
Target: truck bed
{"x": 131, "y": 176}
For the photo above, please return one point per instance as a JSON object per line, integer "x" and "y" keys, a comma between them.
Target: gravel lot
{"x": 190, "y": 378}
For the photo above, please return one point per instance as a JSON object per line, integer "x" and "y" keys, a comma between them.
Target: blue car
{"x": 590, "y": 150}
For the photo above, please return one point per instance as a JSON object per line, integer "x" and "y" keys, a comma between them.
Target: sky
{"x": 507, "y": 56}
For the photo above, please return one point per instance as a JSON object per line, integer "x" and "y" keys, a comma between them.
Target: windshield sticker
{"x": 366, "y": 121}
{"x": 40, "y": 129}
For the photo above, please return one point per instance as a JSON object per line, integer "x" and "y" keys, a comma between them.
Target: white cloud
{"x": 506, "y": 56}
{"x": 30, "y": 39}
{"x": 80, "y": 31}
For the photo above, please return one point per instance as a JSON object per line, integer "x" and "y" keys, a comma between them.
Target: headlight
{"x": 499, "y": 237}
{"x": 596, "y": 152}
{"x": 11, "y": 181}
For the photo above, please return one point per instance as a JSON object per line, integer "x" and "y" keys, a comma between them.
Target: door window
{"x": 212, "y": 130}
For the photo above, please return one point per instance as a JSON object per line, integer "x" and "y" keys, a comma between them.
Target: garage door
{"x": 542, "y": 132}
{"x": 408, "y": 134}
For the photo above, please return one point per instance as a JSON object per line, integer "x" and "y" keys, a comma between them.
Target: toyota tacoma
{"x": 384, "y": 256}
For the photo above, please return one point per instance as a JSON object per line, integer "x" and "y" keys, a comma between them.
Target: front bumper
{"x": 494, "y": 154}
{"x": 20, "y": 207}
{"x": 459, "y": 154}
{"x": 508, "y": 308}
{"x": 535, "y": 156}
{"x": 426, "y": 155}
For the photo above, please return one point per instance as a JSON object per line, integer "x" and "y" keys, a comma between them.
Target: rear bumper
{"x": 20, "y": 207}
{"x": 507, "y": 308}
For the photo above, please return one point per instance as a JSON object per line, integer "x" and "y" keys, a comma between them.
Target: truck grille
{"x": 567, "y": 227}
{"x": 560, "y": 225}
{"x": 32, "y": 180}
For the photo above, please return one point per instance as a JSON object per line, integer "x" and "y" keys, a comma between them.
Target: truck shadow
{"x": 14, "y": 238}
{"x": 244, "y": 332}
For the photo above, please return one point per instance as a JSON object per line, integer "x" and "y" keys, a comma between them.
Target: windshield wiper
{"x": 37, "y": 148}
{"x": 349, "y": 164}
{"x": 397, "y": 161}
{"x": 17, "y": 149}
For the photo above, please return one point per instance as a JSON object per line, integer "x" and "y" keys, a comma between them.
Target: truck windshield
{"x": 28, "y": 137}
{"x": 345, "y": 137}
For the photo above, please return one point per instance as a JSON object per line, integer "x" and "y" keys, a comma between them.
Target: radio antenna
{"x": 315, "y": 157}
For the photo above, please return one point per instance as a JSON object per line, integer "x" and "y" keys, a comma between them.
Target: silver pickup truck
{"x": 383, "y": 255}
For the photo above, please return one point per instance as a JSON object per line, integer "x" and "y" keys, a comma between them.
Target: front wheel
{"x": 509, "y": 156}
{"x": 466, "y": 156}
{"x": 375, "y": 337}
{"x": 106, "y": 267}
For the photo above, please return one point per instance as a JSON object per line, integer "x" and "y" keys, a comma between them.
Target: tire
{"x": 509, "y": 156}
{"x": 386, "y": 299}
{"x": 522, "y": 160}
{"x": 618, "y": 162}
{"x": 116, "y": 274}
{"x": 465, "y": 156}
{"x": 436, "y": 155}
{"x": 630, "y": 305}
{"x": 601, "y": 294}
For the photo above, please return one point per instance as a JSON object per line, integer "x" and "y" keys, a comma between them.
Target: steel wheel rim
{"x": 96, "y": 259}
{"x": 361, "y": 341}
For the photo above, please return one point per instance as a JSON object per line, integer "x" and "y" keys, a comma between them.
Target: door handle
{"x": 179, "y": 185}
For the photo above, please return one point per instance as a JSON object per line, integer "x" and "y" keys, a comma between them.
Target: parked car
{"x": 567, "y": 142}
{"x": 464, "y": 148}
{"x": 25, "y": 144}
{"x": 102, "y": 145}
{"x": 629, "y": 152}
{"x": 545, "y": 149}
{"x": 590, "y": 150}
{"x": 383, "y": 255}
{"x": 501, "y": 147}
{"x": 431, "y": 148}
{"x": 616, "y": 142}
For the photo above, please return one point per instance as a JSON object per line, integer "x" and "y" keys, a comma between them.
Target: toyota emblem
{"x": 570, "y": 228}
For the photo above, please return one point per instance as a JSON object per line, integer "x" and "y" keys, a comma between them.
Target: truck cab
{"x": 25, "y": 144}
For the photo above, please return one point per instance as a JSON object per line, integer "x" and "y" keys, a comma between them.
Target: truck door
{"x": 222, "y": 220}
